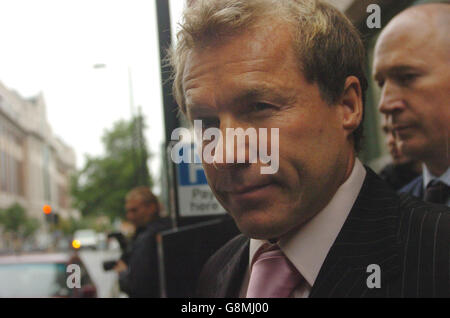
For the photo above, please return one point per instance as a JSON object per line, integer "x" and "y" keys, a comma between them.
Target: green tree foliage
{"x": 100, "y": 187}
{"x": 30, "y": 226}
{"x": 15, "y": 221}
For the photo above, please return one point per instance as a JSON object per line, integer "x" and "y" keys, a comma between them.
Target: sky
{"x": 51, "y": 46}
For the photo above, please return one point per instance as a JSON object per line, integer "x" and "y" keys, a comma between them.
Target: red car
{"x": 43, "y": 275}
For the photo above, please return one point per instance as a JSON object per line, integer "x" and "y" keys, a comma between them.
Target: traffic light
{"x": 52, "y": 217}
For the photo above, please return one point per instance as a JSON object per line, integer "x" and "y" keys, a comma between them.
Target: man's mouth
{"x": 254, "y": 192}
{"x": 401, "y": 129}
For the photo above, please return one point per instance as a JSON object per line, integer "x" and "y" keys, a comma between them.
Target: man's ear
{"x": 352, "y": 104}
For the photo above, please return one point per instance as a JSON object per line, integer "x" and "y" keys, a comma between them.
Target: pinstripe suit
{"x": 409, "y": 240}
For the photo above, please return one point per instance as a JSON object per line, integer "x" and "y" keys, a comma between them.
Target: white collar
{"x": 428, "y": 176}
{"x": 308, "y": 247}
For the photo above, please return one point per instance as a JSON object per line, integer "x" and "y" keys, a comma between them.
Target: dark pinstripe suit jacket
{"x": 409, "y": 240}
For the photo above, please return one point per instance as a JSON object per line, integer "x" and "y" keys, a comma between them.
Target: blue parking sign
{"x": 190, "y": 174}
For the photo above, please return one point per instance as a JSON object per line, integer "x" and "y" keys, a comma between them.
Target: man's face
{"x": 139, "y": 213}
{"x": 391, "y": 141}
{"x": 413, "y": 69}
{"x": 253, "y": 80}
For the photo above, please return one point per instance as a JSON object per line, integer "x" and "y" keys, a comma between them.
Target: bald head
{"x": 435, "y": 13}
{"x": 430, "y": 21}
{"x": 412, "y": 67}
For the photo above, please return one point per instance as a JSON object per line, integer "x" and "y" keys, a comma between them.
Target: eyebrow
{"x": 398, "y": 69}
{"x": 252, "y": 94}
{"x": 196, "y": 111}
{"x": 262, "y": 92}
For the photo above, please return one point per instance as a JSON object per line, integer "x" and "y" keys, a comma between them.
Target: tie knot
{"x": 272, "y": 274}
{"x": 265, "y": 251}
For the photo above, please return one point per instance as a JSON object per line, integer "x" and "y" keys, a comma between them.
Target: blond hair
{"x": 328, "y": 47}
{"x": 144, "y": 194}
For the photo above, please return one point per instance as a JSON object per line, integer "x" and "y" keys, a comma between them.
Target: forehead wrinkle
{"x": 264, "y": 45}
{"x": 197, "y": 72}
{"x": 260, "y": 56}
{"x": 210, "y": 72}
{"x": 196, "y": 106}
{"x": 251, "y": 84}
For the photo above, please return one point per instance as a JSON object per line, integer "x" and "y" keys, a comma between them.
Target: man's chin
{"x": 413, "y": 148}
{"x": 261, "y": 229}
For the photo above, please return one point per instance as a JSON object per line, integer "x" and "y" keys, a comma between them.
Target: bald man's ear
{"x": 351, "y": 104}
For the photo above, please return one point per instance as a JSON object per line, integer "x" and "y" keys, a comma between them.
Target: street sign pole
{"x": 170, "y": 108}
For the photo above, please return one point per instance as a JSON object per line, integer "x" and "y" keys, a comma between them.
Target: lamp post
{"x": 136, "y": 122}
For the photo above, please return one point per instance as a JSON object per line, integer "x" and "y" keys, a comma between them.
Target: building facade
{"x": 35, "y": 166}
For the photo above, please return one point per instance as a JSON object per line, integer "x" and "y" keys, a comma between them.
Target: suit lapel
{"x": 368, "y": 236}
{"x": 230, "y": 277}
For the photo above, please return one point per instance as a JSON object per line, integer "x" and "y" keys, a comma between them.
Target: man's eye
{"x": 406, "y": 78}
{"x": 256, "y": 107}
{"x": 380, "y": 83}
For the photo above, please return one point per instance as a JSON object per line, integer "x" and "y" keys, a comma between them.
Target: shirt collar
{"x": 308, "y": 247}
{"x": 428, "y": 177}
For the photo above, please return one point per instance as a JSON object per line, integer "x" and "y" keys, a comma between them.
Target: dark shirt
{"x": 142, "y": 279}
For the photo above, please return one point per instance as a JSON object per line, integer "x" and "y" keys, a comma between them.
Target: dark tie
{"x": 437, "y": 192}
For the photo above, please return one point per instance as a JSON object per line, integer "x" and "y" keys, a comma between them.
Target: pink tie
{"x": 272, "y": 275}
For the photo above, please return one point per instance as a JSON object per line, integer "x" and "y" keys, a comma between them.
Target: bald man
{"x": 412, "y": 67}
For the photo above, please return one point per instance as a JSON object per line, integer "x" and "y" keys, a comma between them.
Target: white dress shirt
{"x": 308, "y": 247}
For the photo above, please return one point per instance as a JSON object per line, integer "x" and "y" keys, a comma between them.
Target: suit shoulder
{"x": 210, "y": 283}
{"x": 226, "y": 252}
{"x": 157, "y": 226}
{"x": 411, "y": 204}
{"x": 424, "y": 238}
{"x": 428, "y": 215}
{"x": 423, "y": 224}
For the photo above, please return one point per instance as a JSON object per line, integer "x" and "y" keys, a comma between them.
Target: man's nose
{"x": 226, "y": 152}
{"x": 391, "y": 99}
{"x": 391, "y": 139}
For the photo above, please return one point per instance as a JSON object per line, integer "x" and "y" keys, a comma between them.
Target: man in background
{"x": 138, "y": 267}
{"x": 402, "y": 170}
{"x": 412, "y": 67}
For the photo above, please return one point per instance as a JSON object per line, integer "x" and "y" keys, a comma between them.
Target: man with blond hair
{"x": 138, "y": 266}
{"x": 323, "y": 225}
